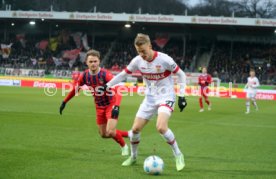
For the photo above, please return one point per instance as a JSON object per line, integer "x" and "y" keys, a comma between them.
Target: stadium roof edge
{"x": 146, "y": 18}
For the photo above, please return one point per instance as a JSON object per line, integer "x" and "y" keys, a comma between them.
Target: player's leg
{"x": 201, "y": 104}
{"x": 134, "y": 136}
{"x": 112, "y": 132}
{"x": 200, "y": 100}
{"x": 205, "y": 95}
{"x": 164, "y": 114}
{"x": 254, "y": 102}
{"x": 166, "y": 133}
{"x": 145, "y": 112}
{"x": 247, "y": 103}
{"x": 116, "y": 135}
{"x": 207, "y": 102}
{"x": 123, "y": 133}
{"x": 102, "y": 131}
{"x": 101, "y": 122}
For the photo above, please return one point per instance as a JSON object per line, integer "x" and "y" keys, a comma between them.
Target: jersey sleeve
{"x": 118, "y": 95}
{"x": 108, "y": 76}
{"x": 170, "y": 64}
{"x": 133, "y": 66}
{"x": 209, "y": 79}
{"x": 181, "y": 82}
{"x": 199, "y": 80}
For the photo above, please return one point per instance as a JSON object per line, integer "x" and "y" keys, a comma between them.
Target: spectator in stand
{"x": 116, "y": 67}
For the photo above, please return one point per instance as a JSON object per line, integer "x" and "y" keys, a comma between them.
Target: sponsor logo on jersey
{"x": 158, "y": 68}
{"x": 156, "y": 76}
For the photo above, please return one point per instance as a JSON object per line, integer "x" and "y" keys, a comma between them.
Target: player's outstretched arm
{"x": 246, "y": 86}
{"x": 72, "y": 93}
{"x": 62, "y": 106}
{"x": 68, "y": 98}
{"x": 182, "y": 103}
{"x": 117, "y": 79}
{"x": 181, "y": 82}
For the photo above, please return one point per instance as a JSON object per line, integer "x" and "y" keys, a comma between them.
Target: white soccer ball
{"x": 153, "y": 165}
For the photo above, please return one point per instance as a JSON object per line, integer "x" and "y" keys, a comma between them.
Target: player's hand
{"x": 182, "y": 103}
{"x": 115, "y": 112}
{"x": 62, "y": 106}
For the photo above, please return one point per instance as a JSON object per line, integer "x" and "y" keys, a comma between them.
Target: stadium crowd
{"x": 234, "y": 67}
{"x": 224, "y": 64}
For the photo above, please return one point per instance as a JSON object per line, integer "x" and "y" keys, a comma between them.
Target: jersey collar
{"x": 154, "y": 56}
{"x": 90, "y": 72}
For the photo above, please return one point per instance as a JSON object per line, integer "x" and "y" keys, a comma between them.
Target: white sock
{"x": 134, "y": 141}
{"x": 255, "y": 103}
{"x": 170, "y": 139}
{"x": 247, "y": 106}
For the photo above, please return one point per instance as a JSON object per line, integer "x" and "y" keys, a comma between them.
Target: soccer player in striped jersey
{"x": 157, "y": 69}
{"x": 107, "y": 105}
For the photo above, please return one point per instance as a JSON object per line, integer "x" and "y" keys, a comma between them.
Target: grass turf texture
{"x": 36, "y": 142}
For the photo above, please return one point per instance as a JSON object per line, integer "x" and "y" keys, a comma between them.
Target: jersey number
{"x": 170, "y": 103}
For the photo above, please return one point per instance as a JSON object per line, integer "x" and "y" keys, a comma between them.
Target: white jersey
{"x": 156, "y": 74}
{"x": 252, "y": 84}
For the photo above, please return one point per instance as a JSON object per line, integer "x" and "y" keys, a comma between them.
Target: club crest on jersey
{"x": 158, "y": 68}
{"x": 101, "y": 81}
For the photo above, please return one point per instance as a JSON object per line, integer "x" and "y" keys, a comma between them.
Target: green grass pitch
{"x": 36, "y": 142}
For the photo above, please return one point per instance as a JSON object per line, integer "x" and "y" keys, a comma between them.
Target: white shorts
{"x": 151, "y": 106}
{"x": 251, "y": 94}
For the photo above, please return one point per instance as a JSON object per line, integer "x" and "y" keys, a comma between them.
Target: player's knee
{"x": 136, "y": 130}
{"x": 161, "y": 129}
{"x": 103, "y": 134}
{"x": 110, "y": 133}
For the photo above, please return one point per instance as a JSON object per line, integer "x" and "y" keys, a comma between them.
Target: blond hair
{"x": 141, "y": 39}
{"x": 94, "y": 53}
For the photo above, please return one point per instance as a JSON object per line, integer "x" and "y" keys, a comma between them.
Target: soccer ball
{"x": 153, "y": 165}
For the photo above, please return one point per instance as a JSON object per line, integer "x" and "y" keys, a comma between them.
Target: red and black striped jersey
{"x": 93, "y": 82}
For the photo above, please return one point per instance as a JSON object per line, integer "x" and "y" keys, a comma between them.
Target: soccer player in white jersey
{"x": 156, "y": 69}
{"x": 252, "y": 85}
